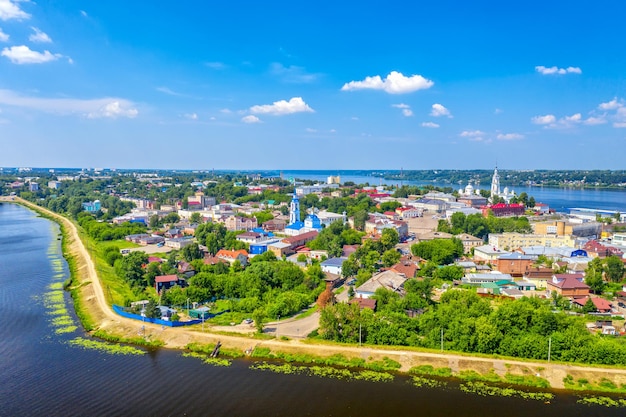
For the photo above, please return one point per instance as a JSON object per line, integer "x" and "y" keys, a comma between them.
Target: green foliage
{"x": 479, "y": 226}
{"x": 440, "y": 251}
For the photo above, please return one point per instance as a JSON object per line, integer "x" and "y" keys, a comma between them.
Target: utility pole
{"x": 549, "y": 347}
{"x": 442, "y": 339}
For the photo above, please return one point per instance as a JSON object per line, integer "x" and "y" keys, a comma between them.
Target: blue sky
{"x": 319, "y": 85}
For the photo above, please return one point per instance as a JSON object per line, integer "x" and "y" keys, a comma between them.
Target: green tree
{"x": 390, "y": 257}
{"x": 191, "y": 252}
{"x": 195, "y": 218}
{"x": 593, "y": 276}
{"x": 155, "y": 222}
{"x": 589, "y": 306}
{"x": 360, "y": 217}
{"x": 614, "y": 269}
{"x": 389, "y": 238}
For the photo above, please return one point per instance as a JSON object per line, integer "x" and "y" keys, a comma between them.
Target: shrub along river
{"x": 49, "y": 366}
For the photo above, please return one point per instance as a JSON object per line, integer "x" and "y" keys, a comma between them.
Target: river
{"x": 41, "y": 373}
{"x": 559, "y": 199}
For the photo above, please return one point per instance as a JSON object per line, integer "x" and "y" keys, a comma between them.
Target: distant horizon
{"x": 253, "y": 170}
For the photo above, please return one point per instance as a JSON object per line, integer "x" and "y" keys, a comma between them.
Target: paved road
{"x": 296, "y": 328}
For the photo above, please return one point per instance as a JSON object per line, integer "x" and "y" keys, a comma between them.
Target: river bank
{"x": 93, "y": 302}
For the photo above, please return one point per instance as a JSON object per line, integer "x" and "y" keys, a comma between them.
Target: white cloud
{"x": 292, "y": 73}
{"x": 84, "y": 13}
{"x": 611, "y": 105}
{"x": 191, "y": 116}
{"x": 168, "y": 91}
{"x": 226, "y": 111}
{"x": 216, "y": 65}
{"x": 282, "y": 107}
{"x": 394, "y": 83}
{"x": 113, "y": 110}
{"x": 472, "y": 133}
{"x": 250, "y": 119}
{"x": 555, "y": 70}
{"x": 110, "y": 107}
{"x": 310, "y": 130}
{"x": 509, "y": 136}
{"x": 39, "y": 36}
{"x": 10, "y": 10}
{"x": 430, "y": 125}
{"x": 3, "y": 36}
{"x": 574, "y": 118}
{"x": 498, "y": 111}
{"x": 354, "y": 118}
{"x": 592, "y": 120}
{"x": 438, "y": 110}
{"x": 549, "y": 121}
{"x": 406, "y": 109}
{"x": 24, "y": 55}
{"x": 543, "y": 120}
{"x": 333, "y": 131}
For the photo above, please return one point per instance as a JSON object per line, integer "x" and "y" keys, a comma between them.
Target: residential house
{"x": 568, "y": 285}
{"x": 165, "y": 282}
{"x": 405, "y": 268}
{"x": 234, "y": 223}
{"x": 178, "y": 243}
{"x": 469, "y": 242}
{"x": 601, "y": 305}
{"x": 348, "y": 250}
{"x": 387, "y": 279}
{"x": 406, "y": 213}
{"x": 333, "y": 265}
{"x": 231, "y": 256}
{"x": 597, "y": 249}
{"x": 487, "y": 253}
{"x": 539, "y": 276}
{"x": 274, "y": 225}
{"x": 185, "y": 269}
{"x": 364, "y": 303}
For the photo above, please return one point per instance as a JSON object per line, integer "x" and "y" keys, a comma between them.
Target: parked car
{"x": 351, "y": 282}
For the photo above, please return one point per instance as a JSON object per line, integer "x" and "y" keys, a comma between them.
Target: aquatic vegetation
{"x": 419, "y": 382}
{"x": 208, "y": 360}
{"x": 105, "y": 347}
{"x": 485, "y": 390}
{"x": 65, "y": 329}
{"x": 604, "y": 401}
{"x": 528, "y": 380}
{"x": 430, "y": 370}
{"x": 325, "y": 372}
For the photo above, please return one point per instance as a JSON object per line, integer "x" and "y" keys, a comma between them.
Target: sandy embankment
{"x": 104, "y": 318}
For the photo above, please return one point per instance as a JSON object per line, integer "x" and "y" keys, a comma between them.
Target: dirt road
{"x": 93, "y": 297}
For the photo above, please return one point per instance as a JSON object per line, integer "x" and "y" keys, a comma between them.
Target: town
{"x": 472, "y": 270}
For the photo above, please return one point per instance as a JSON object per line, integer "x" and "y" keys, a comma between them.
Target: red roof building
{"x": 568, "y": 285}
{"x": 503, "y": 210}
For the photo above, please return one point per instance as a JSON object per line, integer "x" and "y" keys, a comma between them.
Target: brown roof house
{"x": 568, "y": 285}
{"x": 388, "y": 279}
